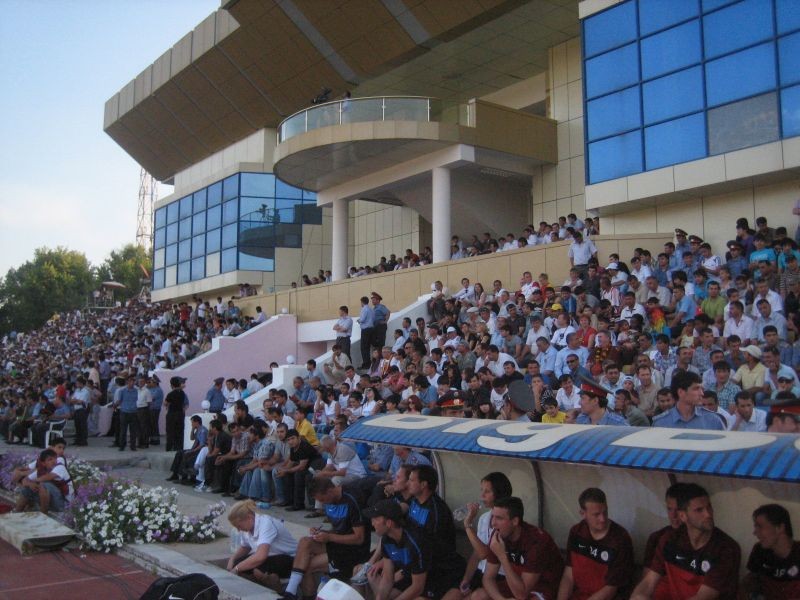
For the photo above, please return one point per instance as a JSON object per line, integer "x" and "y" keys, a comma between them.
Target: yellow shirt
{"x": 306, "y": 429}
{"x": 750, "y": 379}
{"x": 561, "y": 417}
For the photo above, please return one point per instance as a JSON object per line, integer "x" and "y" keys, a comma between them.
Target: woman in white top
{"x": 266, "y": 548}
{"x": 493, "y": 487}
{"x": 370, "y": 405}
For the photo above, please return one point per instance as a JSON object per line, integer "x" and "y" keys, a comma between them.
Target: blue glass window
{"x": 213, "y": 240}
{"x": 214, "y": 217}
{"x": 743, "y": 124}
{"x": 229, "y": 235}
{"x": 612, "y": 71}
{"x": 199, "y": 223}
{"x": 671, "y": 50}
{"x": 172, "y": 212}
{"x": 615, "y": 157}
{"x": 171, "y": 276}
{"x": 184, "y": 250}
{"x": 160, "y": 238}
{"x": 158, "y": 259}
{"x": 657, "y": 14}
{"x": 258, "y": 184}
{"x": 212, "y": 264}
{"x": 609, "y": 29}
{"x": 198, "y": 268}
{"x": 214, "y": 194}
{"x": 228, "y": 260}
{"x": 186, "y": 228}
{"x": 256, "y": 209}
{"x": 674, "y": 95}
{"x": 199, "y": 202}
{"x": 172, "y": 254}
{"x": 172, "y": 233}
{"x": 198, "y": 245}
{"x": 675, "y": 141}
{"x": 249, "y": 262}
{"x": 788, "y": 15}
{"x": 161, "y": 217}
{"x": 288, "y": 211}
{"x": 186, "y": 206}
{"x": 737, "y": 26}
{"x": 614, "y": 113}
{"x": 740, "y": 75}
{"x": 789, "y": 57}
{"x": 158, "y": 279}
{"x": 712, "y": 4}
{"x": 790, "y": 111}
{"x": 184, "y": 272}
{"x": 284, "y": 190}
{"x": 230, "y": 187}
{"x": 309, "y": 196}
{"x": 230, "y": 211}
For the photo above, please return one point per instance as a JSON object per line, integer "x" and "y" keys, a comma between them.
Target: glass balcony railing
{"x": 383, "y": 108}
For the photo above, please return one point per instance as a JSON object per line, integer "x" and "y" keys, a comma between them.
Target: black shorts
{"x": 279, "y": 564}
{"x": 342, "y": 559}
{"x": 437, "y": 584}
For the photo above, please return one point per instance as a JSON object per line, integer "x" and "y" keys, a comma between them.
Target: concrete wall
{"x": 377, "y": 230}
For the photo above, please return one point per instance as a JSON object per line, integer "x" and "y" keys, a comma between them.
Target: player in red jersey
{"x": 697, "y": 560}
{"x": 774, "y": 562}
{"x": 599, "y": 553}
{"x": 529, "y": 556}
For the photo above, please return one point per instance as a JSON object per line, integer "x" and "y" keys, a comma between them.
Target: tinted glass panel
{"x": 159, "y": 257}
{"x": 615, "y": 157}
{"x": 788, "y": 15}
{"x": 658, "y": 14}
{"x": 171, "y": 276}
{"x": 186, "y": 228}
{"x": 228, "y": 260}
{"x": 311, "y": 214}
{"x": 199, "y": 223}
{"x": 230, "y": 211}
{"x": 229, "y": 236}
{"x": 172, "y": 212}
{"x": 789, "y": 56}
{"x": 230, "y": 187}
{"x": 258, "y": 184}
{"x": 248, "y": 262}
{"x": 161, "y": 217}
{"x": 199, "y": 202}
{"x": 159, "y": 238}
{"x": 712, "y": 4}
{"x": 609, "y": 28}
{"x": 184, "y": 250}
{"x": 671, "y": 50}
{"x": 309, "y": 196}
{"x": 740, "y": 75}
{"x": 743, "y": 124}
{"x": 212, "y": 264}
{"x": 790, "y": 110}
{"x": 285, "y": 211}
{"x": 675, "y": 141}
{"x": 172, "y": 233}
{"x": 612, "y": 71}
{"x": 184, "y": 272}
{"x": 254, "y": 234}
{"x": 215, "y": 193}
{"x": 186, "y": 206}
{"x": 614, "y": 113}
{"x": 158, "y": 279}
{"x": 198, "y": 245}
{"x": 214, "y": 217}
{"x": 284, "y": 190}
{"x": 198, "y": 268}
{"x": 674, "y": 95}
{"x": 213, "y": 240}
{"x": 256, "y": 209}
{"x": 172, "y": 254}
{"x": 737, "y": 26}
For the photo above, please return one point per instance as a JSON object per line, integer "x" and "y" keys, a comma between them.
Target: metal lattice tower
{"x": 148, "y": 194}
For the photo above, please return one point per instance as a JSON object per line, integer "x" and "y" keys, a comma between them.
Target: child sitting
{"x": 551, "y": 412}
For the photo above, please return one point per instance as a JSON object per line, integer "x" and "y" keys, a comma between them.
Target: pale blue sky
{"x": 63, "y": 181}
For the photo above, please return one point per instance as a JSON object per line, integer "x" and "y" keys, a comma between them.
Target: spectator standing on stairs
{"x": 380, "y": 321}
{"x": 366, "y": 320}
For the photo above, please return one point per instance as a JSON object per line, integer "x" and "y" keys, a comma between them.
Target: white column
{"x": 440, "y": 198}
{"x": 339, "y": 240}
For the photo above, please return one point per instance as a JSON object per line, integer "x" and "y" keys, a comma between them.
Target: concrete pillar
{"x": 440, "y": 198}
{"x": 339, "y": 240}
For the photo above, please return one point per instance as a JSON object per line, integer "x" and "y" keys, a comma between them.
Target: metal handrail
{"x": 340, "y": 104}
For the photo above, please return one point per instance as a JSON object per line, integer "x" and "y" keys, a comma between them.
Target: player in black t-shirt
{"x": 774, "y": 562}
{"x": 302, "y": 455}
{"x": 336, "y": 551}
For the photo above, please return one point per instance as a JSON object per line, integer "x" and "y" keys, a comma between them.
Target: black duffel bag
{"x": 194, "y": 586}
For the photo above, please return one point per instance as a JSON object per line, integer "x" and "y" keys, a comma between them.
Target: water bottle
{"x": 235, "y": 539}
{"x": 263, "y": 505}
{"x": 360, "y": 578}
{"x": 460, "y": 513}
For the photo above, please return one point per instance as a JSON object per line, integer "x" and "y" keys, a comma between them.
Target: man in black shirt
{"x": 184, "y": 459}
{"x": 302, "y": 456}
{"x": 176, "y": 402}
{"x": 336, "y": 551}
{"x": 221, "y": 446}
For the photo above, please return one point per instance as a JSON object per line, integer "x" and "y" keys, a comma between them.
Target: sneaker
{"x": 200, "y": 487}
{"x": 172, "y": 477}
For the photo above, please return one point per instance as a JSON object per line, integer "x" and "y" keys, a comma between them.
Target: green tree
{"x": 55, "y": 280}
{"x": 125, "y": 265}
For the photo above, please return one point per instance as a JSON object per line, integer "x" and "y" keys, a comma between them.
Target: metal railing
{"x": 379, "y": 108}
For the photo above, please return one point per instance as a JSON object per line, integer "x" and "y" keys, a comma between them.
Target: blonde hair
{"x": 241, "y": 510}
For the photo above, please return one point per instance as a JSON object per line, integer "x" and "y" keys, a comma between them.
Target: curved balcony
{"x": 373, "y": 109}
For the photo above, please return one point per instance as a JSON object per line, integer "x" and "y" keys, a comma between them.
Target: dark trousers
{"x": 128, "y": 420}
{"x": 366, "y": 342}
{"x": 344, "y": 343}
{"x": 174, "y": 430}
{"x": 295, "y": 485}
{"x": 155, "y": 438}
{"x": 379, "y": 336}
{"x": 183, "y": 464}
{"x": 143, "y": 416}
{"x": 81, "y": 418}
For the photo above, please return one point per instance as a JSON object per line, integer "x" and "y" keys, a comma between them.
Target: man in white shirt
{"x": 231, "y": 393}
{"x": 739, "y": 324}
{"x": 527, "y": 285}
{"x": 497, "y": 359}
{"x": 748, "y": 417}
{"x": 642, "y": 272}
{"x": 581, "y": 252}
{"x": 266, "y": 548}
{"x": 764, "y": 293}
{"x": 254, "y": 385}
{"x": 466, "y": 294}
{"x": 630, "y": 307}
{"x": 261, "y": 316}
{"x": 658, "y": 291}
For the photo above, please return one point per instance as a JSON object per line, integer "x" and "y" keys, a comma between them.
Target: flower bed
{"x": 108, "y": 512}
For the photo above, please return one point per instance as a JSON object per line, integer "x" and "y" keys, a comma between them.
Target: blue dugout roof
{"x": 768, "y": 456}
